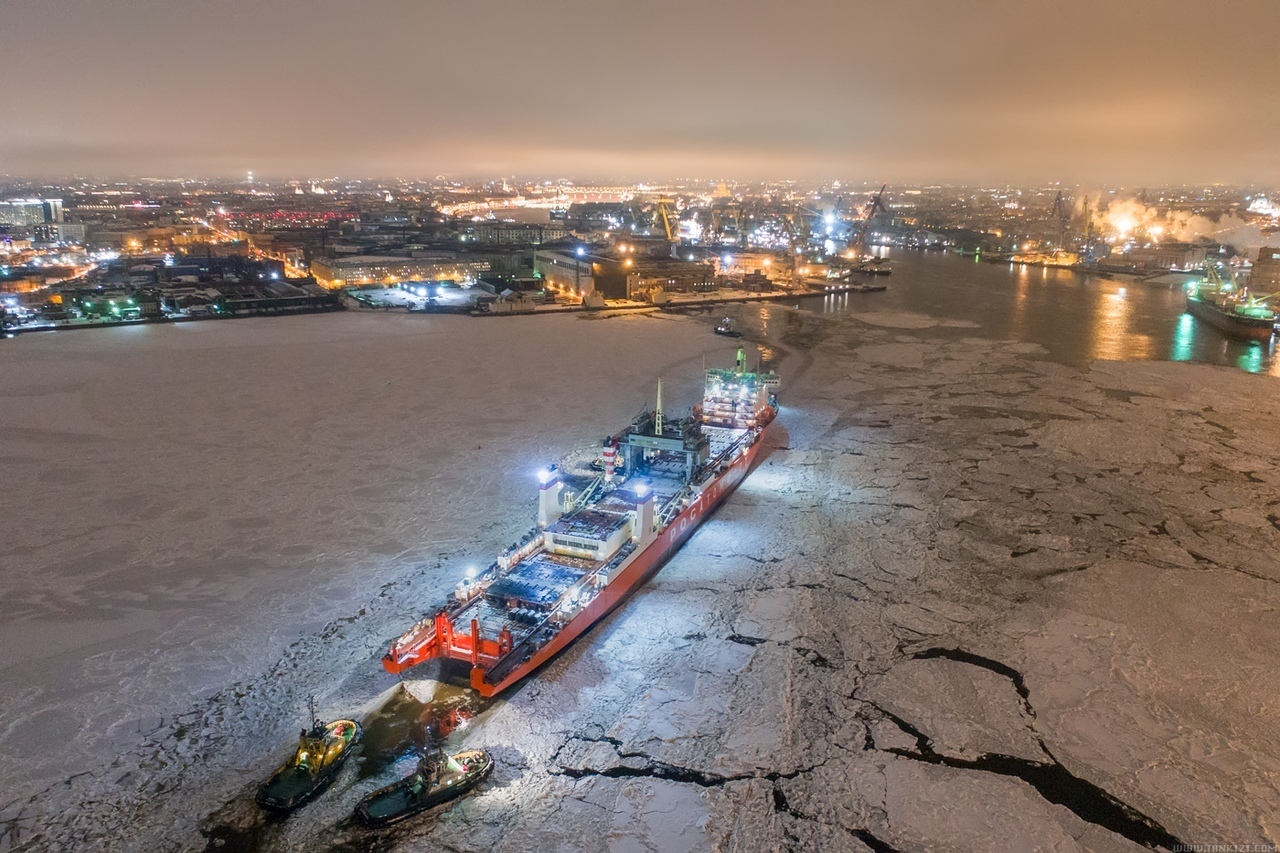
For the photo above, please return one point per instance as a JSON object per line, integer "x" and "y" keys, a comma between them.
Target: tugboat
{"x": 321, "y": 752}
{"x": 727, "y": 330}
{"x": 438, "y": 779}
{"x": 1218, "y": 302}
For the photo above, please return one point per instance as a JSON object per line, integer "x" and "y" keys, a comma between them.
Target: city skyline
{"x": 1026, "y": 93}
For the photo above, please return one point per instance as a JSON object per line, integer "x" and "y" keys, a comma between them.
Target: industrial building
{"x": 567, "y": 271}
{"x": 380, "y": 269}
{"x": 1266, "y": 271}
{"x": 516, "y": 233}
{"x": 1168, "y": 256}
{"x": 30, "y": 211}
{"x": 625, "y": 276}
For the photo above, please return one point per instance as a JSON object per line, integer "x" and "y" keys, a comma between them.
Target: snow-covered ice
{"x": 972, "y": 599}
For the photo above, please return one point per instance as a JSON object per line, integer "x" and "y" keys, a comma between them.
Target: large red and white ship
{"x": 599, "y": 537}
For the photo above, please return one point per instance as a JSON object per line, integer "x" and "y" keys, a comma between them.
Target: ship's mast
{"x": 657, "y": 414}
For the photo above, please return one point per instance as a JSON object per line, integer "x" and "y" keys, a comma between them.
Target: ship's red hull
{"x": 636, "y": 574}
{"x": 637, "y": 571}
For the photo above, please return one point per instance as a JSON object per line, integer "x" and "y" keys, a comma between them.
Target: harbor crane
{"x": 859, "y": 244}
{"x": 788, "y": 223}
{"x": 1062, "y": 211}
{"x": 666, "y": 216}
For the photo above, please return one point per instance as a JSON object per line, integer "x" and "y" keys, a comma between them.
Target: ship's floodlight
{"x": 641, "y": 490}
{"x": 471, "y": 573}
{"x": 544, "y": 476}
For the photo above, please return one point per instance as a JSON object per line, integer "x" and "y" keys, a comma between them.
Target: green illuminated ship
{"x": 1230, "y": 309}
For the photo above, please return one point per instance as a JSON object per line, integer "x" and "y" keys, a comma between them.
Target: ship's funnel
{"x": 610, "y": 455}
{"x": 657, "y": 414}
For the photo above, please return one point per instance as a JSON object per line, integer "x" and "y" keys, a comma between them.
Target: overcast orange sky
{"x": 1136, "y": 92}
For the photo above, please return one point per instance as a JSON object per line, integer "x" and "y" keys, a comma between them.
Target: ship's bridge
{"x": 735, "y": 398}
{"x": 664, "y": 448}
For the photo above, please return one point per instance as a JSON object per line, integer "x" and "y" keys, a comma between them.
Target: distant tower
{"x": 250, "y": 181}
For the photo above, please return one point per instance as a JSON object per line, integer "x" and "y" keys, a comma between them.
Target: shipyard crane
{"x": 734, "y": 209}
{"x": 838, "y": 211}
{"x": 726, "y": 213}
{"x": 1086, "y": 248}
{"x": 1062, "y": 211}
{"x": 876, "y": 205}
{"x": 788, "y": 223}
{"x": 670, "y": 228}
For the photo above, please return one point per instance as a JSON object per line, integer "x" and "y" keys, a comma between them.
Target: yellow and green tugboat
{"x": 321, "y": 752}
{"x": 438, "y": 779}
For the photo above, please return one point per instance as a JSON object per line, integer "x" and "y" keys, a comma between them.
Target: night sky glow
{"x": 1141, "y": 92}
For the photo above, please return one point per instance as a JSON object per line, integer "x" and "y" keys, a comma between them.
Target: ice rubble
{"x": 972, "y": 599}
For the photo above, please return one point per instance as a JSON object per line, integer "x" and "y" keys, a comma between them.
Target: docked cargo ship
{"x": 598, "y": 538}
{"x": 1220, "y": 304}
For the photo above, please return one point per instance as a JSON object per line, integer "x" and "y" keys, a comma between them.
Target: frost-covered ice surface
{"x": 973, "y": 599}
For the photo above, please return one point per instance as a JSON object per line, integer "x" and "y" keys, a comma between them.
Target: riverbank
{"x": 675, "y": 302}
{"x": 79, "y": 325}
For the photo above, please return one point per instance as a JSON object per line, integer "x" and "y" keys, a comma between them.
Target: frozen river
{"x": 984, "y": 593}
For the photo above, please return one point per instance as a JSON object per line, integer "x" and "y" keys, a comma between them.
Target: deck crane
{"x": 1227, "y": 286}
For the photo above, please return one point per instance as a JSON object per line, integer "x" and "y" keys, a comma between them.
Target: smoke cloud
{"x": 1130, "y": 216}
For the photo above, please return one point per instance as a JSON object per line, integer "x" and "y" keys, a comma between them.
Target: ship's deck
{"x": 722, "y": 437}
{"x": 537, "y": 582}
{"x": 526, "y": 595}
